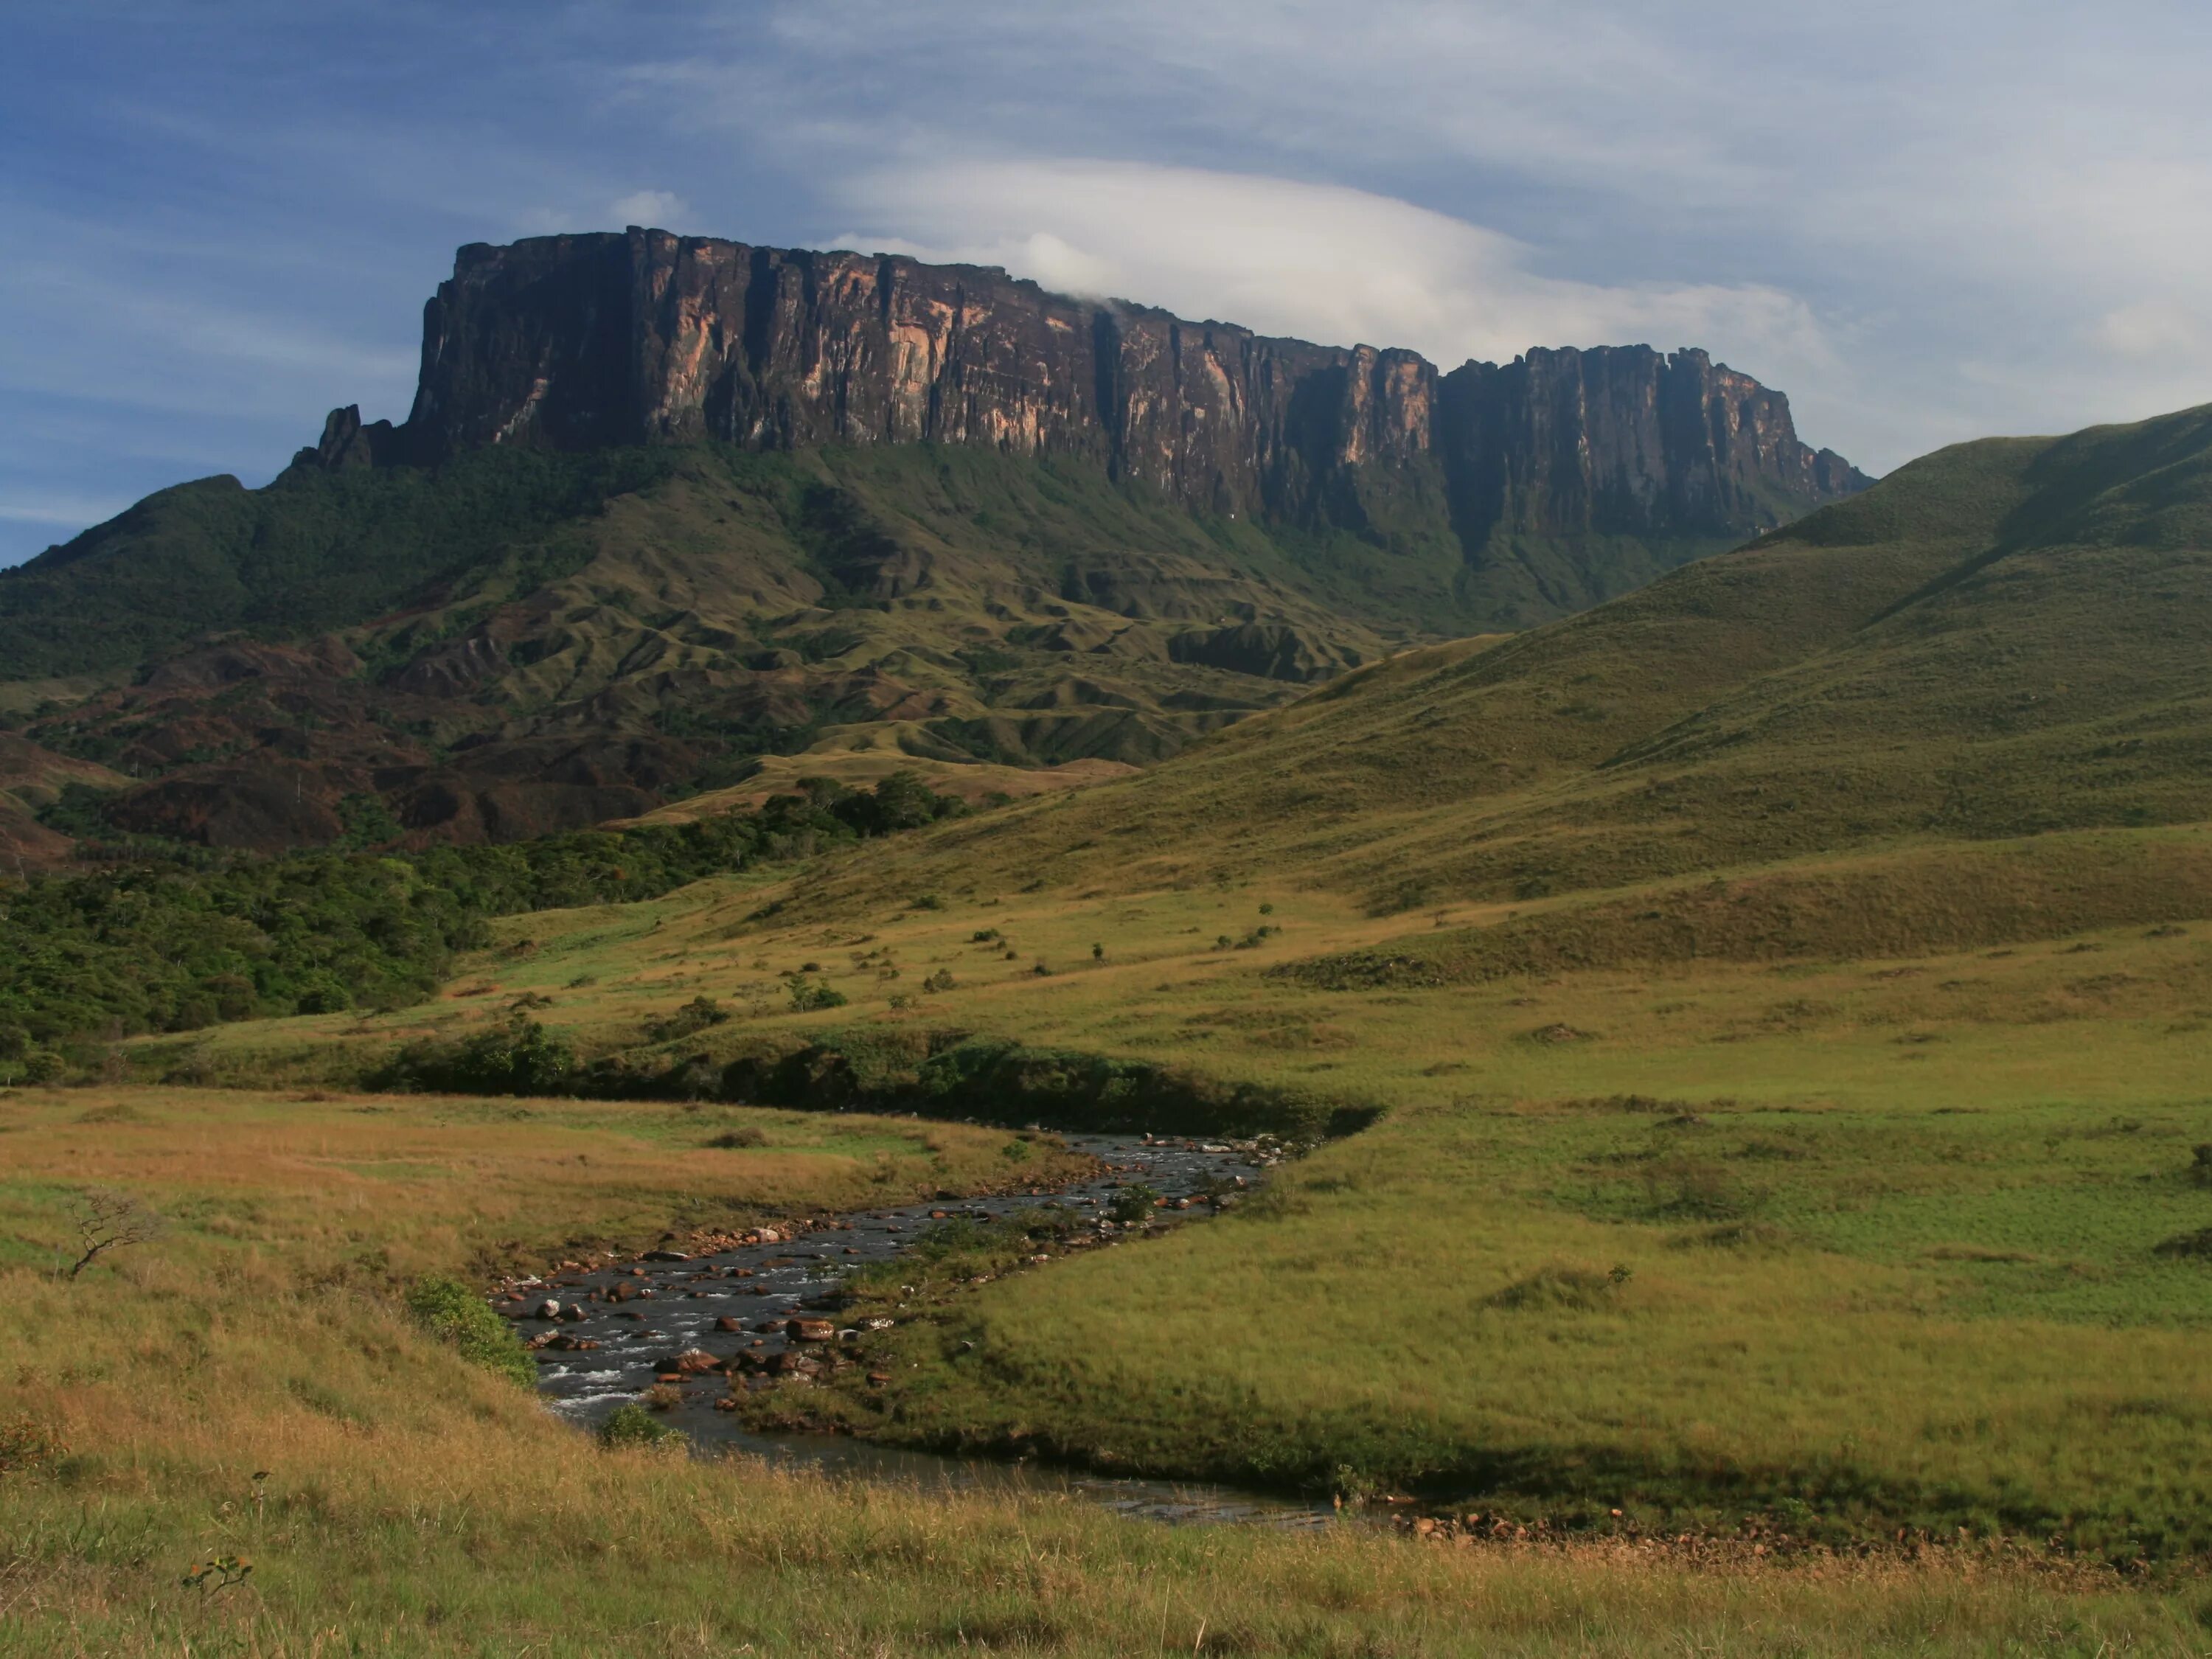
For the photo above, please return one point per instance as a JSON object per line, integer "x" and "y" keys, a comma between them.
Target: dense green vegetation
{"x": 162, "y": 947}
{"x": 450, "y": 1311}
{"x": 318, "y": 550}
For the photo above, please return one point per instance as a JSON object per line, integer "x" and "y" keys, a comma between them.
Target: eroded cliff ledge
{"x": 588, "y": 340}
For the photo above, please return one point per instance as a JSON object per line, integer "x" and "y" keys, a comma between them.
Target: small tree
{"x": 106, "y": 1220}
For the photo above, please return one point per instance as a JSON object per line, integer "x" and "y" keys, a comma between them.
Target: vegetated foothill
{"x": 174, "y": 946}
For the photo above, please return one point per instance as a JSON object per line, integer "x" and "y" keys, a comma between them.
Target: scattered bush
{"x": 735, "y": 1139}
{"x": 27, "y": 1445}
{"x": 632, "y": 1426}
{"x": 2187, "y": 1247}
{"x": 693, "y": 1018}
{"x": 1132, "y": 1204}
{"x": 2200, "y": 1168}
{"x": 448, "y": 1310}
{"x": 109, "y": 1220}
{"x": 940, "y": 980}
{"x": 1579, "y": 1288}
{"x": 807, "y": 995}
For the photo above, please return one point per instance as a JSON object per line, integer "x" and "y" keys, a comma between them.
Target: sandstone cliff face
{"x": 580, "y": 342}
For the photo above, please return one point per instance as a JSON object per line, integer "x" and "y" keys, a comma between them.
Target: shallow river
{"x": 669, "y": 1306}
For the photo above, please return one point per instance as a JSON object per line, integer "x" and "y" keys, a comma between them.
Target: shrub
{"x": 1132, "y": 1204}
{"x": 27, "y": 1445}
{"x": 520, "y": 1057}
{"x": 448, "y": 1310}
{"x": 107, "y": 1220}
{"x": 807, "y": 995}
{"x": 2187, "y": 1247}
{"x": 321, "y": 994}
{"x": 631, "y": 1425}
{"x": 2200, "y": 1169}
{"x": 730, "y": 1140}
{"x": 1562, "y": 1287}
{"x": 694, "y": 1016}
{"x": 940, "y": 980}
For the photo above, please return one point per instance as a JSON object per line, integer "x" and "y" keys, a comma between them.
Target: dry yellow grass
{"x": 245, "y": 1387}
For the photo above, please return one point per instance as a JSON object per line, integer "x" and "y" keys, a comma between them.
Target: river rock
{"x": 665, "y": 1255}
{"x": 548, "y": 1309}
{"x": 810, "y": 1330}
{"x": 691, "y": 1363}
{"x": 727, "y": 1322}
{"x": 571, "y": 1313}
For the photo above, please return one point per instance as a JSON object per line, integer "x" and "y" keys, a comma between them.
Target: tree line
{"x": 154, "y": 945}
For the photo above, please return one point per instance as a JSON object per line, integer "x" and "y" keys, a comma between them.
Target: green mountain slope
{"x": 315, "y": 550}
{"x": 524, "y": 641}
{"x": 2003, "y": 638}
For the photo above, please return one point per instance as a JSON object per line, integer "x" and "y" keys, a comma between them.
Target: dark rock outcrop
{"x": 591, "y": 341}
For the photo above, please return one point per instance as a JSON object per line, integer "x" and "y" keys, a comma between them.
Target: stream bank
{"x": 690, "y": 1335}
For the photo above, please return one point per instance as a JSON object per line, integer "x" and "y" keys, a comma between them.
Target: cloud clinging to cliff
{"x": 1317, "y": 261}
{"x": 1922, "y": 222}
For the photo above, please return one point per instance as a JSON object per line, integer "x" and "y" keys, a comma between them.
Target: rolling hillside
{"x": 2003, "y": 638}
{"x": 669, "y": 508}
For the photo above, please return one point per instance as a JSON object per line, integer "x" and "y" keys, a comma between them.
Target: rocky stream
{"x": 686, "y": 1331}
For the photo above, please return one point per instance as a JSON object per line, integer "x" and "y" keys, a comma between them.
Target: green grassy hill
{"x": 1779, "y": 1002}
{"x": 2003, "y": 638}
{"x": 519, "y": 642}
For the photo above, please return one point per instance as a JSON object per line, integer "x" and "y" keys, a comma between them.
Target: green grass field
{"x": 1885, "y": 1230}
{"x": 247, "y": 1388}
{"x": 1780, "y": 1004}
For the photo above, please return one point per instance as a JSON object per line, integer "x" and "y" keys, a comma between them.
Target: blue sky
{"x": 219, "y": 218}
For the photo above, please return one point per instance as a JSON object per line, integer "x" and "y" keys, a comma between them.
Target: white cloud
{"x": 1321, "y": 262}
{"x": 1944, "y": 188}
{"x": 2155, "y": 330}
{"x": 657, "y": 209}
